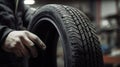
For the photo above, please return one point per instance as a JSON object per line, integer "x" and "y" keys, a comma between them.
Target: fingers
{"x": 23, "y": 49}
{"x": 37, "y": 40}
{"x": 30, "y": 45}
{"x": 22, "y": 42}
{"x": 33, "y": 51}
{"x": 19, "y": 48}
{"x": 18, "y": 53}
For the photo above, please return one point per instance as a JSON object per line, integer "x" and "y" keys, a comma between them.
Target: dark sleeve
{"x": 4, "y": 31}
{"x": 6, "y": 23}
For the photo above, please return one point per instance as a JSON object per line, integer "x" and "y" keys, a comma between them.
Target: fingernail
{"x": 32, "y": 44}
{"x": 44, "y": 47}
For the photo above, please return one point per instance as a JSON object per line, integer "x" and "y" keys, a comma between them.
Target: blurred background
{"x": 104, "y": 15}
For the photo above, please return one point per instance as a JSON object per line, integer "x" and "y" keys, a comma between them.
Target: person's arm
{"x": 6, "y": 21}
{"x": 13, "y": 41}
{"x": 22, "y": 43}
{"x": 4, "y": 31}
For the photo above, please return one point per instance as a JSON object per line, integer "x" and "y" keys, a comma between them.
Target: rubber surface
{"x": 80, "y": 44}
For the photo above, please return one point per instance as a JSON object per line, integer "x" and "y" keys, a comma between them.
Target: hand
{"x": 17, "y": 42}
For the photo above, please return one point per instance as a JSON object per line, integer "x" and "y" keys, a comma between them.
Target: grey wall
{"x": 108, "y": 8}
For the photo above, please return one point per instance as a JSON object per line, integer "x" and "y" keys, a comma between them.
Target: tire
{"x": 79, "y": 41}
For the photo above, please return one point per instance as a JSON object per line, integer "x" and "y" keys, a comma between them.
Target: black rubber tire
{"x": 79, "y": 41}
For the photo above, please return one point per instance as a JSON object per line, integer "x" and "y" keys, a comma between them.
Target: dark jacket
{"x": 13, "y": 16}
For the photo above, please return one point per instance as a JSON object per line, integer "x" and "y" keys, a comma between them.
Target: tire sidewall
{"x": 51, "y": 13}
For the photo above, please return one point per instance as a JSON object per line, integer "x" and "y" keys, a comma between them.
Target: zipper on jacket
{"x": 15, "y": 14}
{"x": 16, "y": 6}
